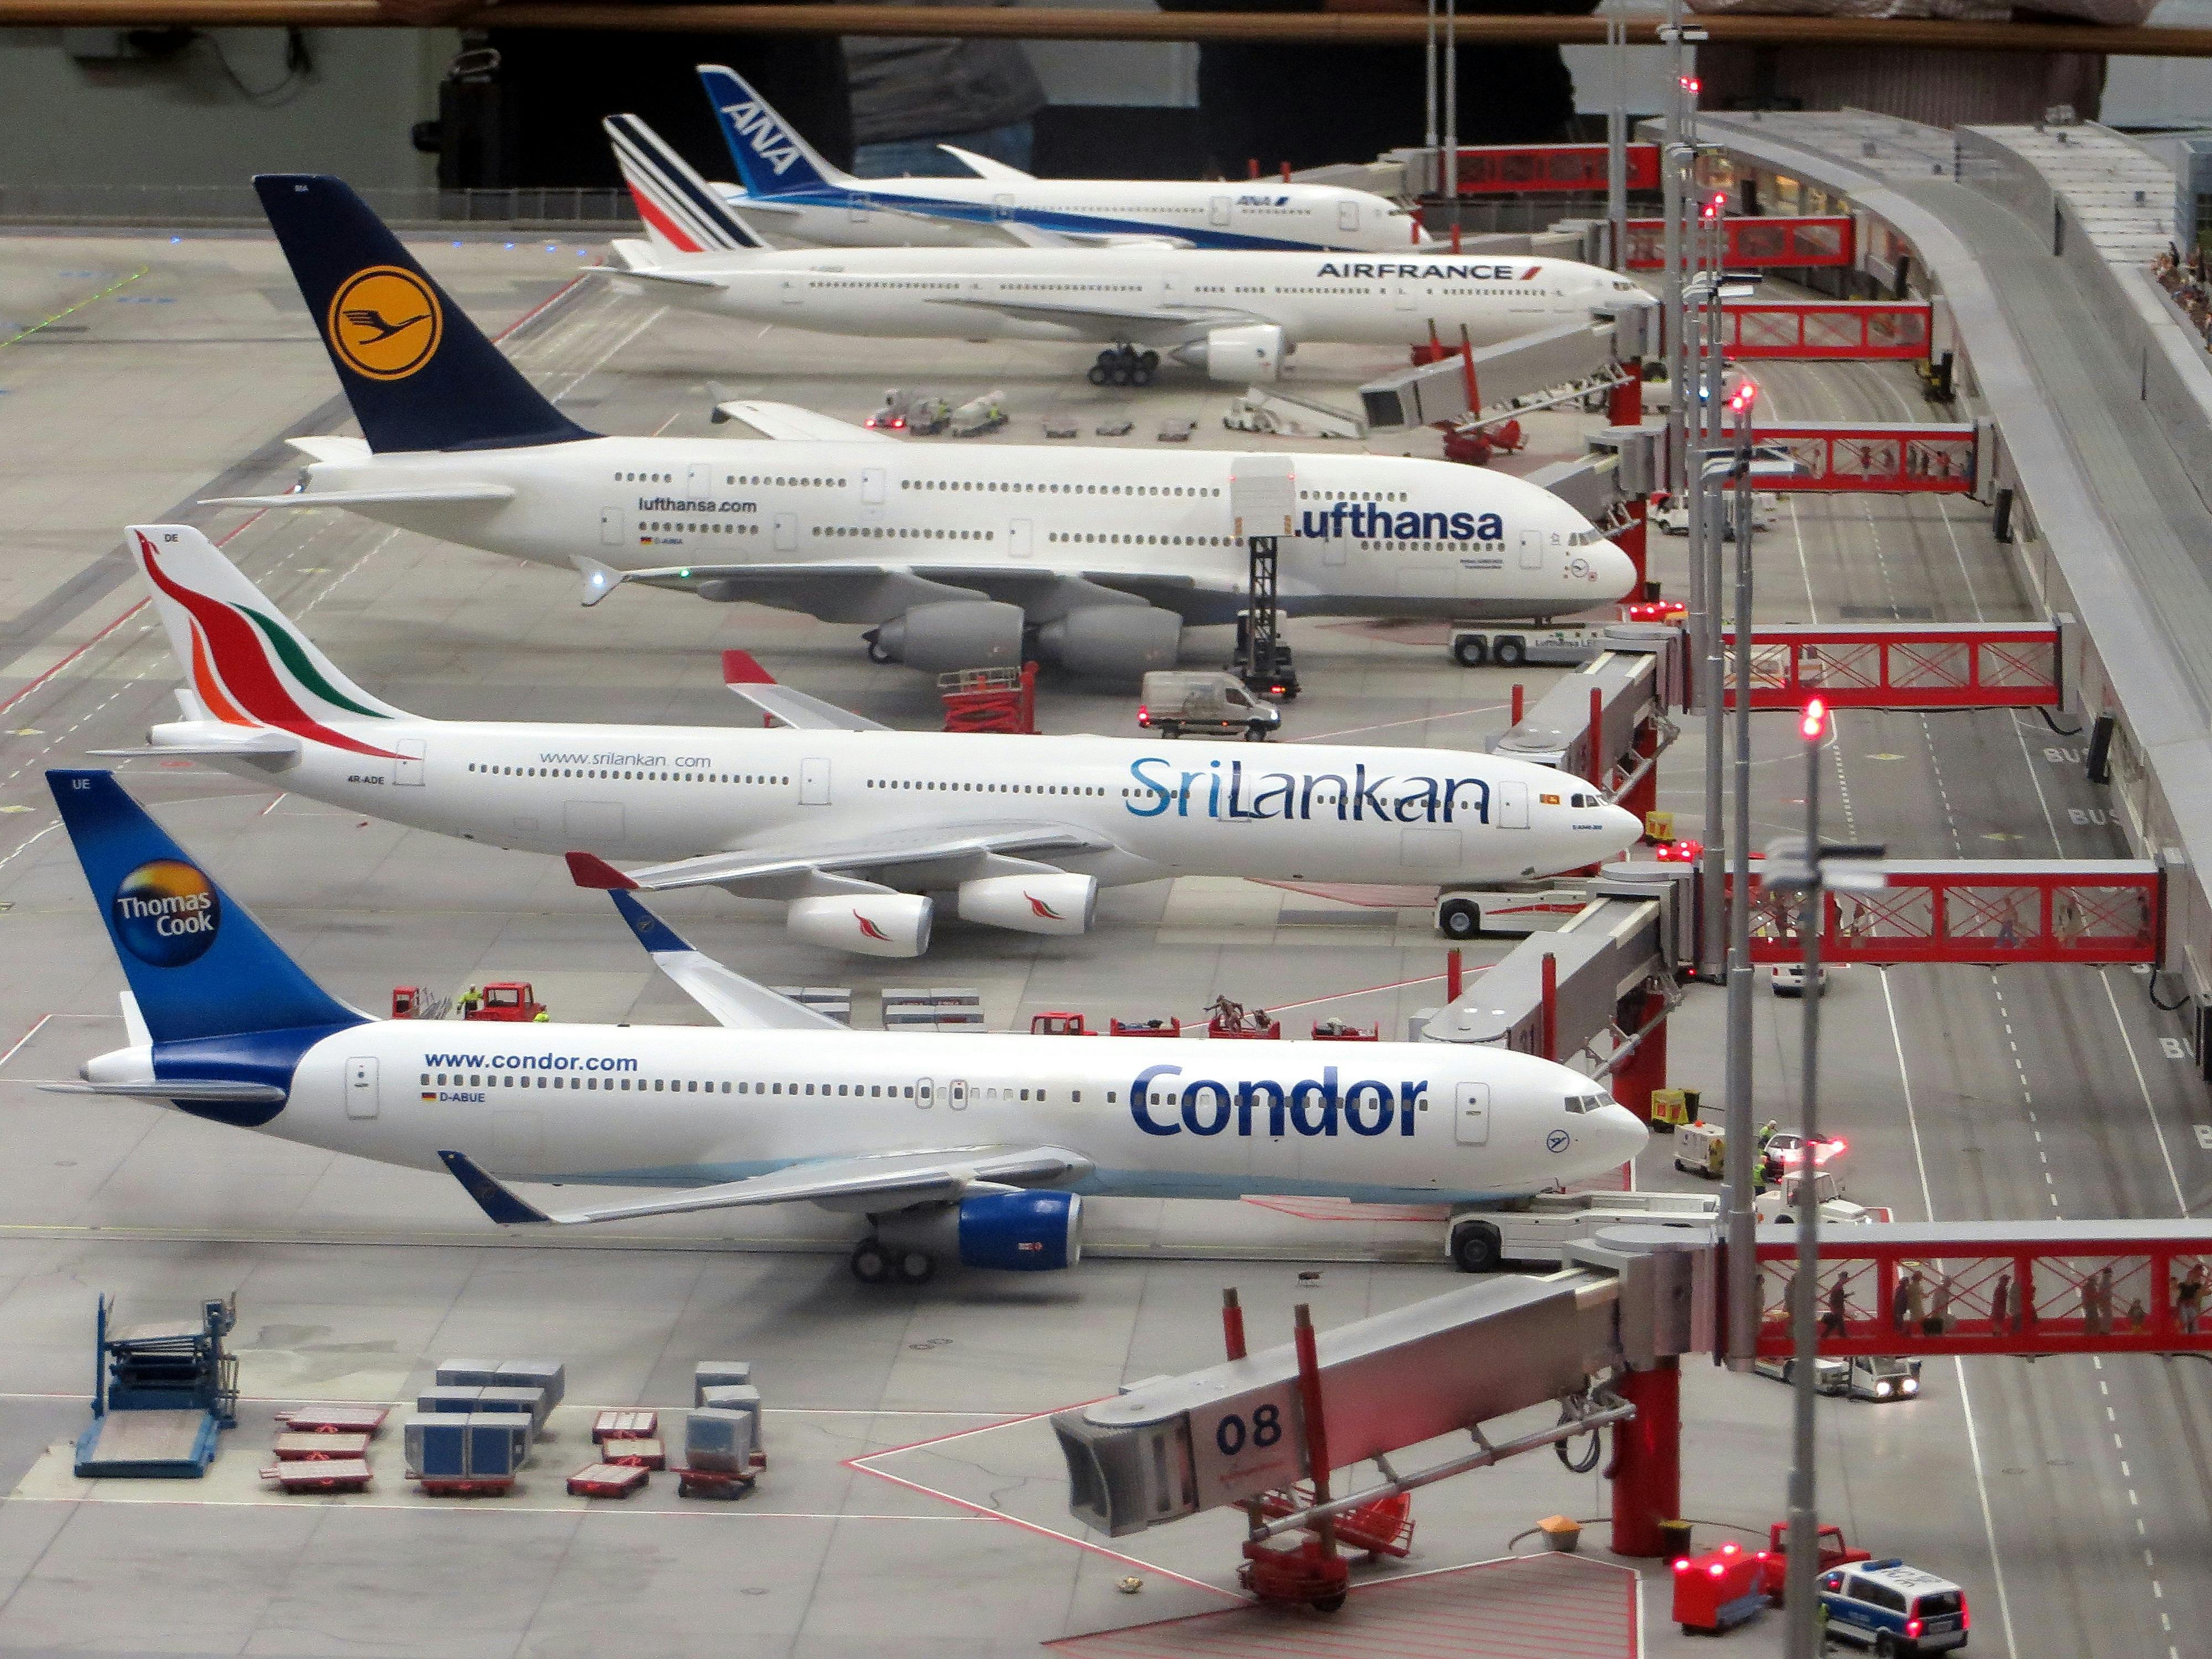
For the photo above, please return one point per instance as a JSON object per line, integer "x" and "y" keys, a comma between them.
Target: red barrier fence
{"x": 1900, "y": 459}
{"x": 1754, "y": 243}
{"x": 1901, "y": 666}
{"x": 1845, "y": 330}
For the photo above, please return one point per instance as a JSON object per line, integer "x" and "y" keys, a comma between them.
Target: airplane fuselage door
{"x": 1018, "y": 538}
{"x": 814, "y": 782}
{"x": 1218, "y": 211}
{"x": 1532, "y": 550}
{"x": 1511, "y": 800}
{"x": 1002, "y": 207}
{"x": 955, "y": 1094}
{"x": 614, "y": 527}
{"x": 407, "y": 770}
{"x": 360, "y": 1088}
{"x": 857, "y": 208}
{"x": 786, "y": 532}
{"x": 1347, "y": 215}
{"x": 924, "y": 1093}
{"x": 699, "y": 480}
{"x": 794, "y": 290}
{"x": 871, "y": 486}
{"x": 1471, "y": 1114}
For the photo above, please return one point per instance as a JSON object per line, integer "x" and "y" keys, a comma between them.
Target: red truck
{"x": 1834, "y": 1552}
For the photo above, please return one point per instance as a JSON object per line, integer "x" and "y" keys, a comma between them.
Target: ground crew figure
{"x": 471, "y": 999}
{"x": 542, "y": 1017}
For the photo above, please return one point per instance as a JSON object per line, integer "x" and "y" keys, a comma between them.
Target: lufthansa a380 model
{"x": 980, "y": 1148}
{"x": 953, "y": 558}
{"x": 853, "y": 823}
{"x": 793, "y": 191}
{"x": 1235, "y": 312}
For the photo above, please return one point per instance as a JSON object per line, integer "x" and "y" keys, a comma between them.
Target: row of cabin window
{"x": 691, "y": 1087}
{"x": 733, "y": 478}
{"x": 1061, "y": 489}
{"x": 988, "y": 788}
{"x": 634, "y": 777}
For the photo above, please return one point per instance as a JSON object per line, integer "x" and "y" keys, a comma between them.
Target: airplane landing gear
{"x": 875, "y": 1262}
{"x": 1125, "y": 366}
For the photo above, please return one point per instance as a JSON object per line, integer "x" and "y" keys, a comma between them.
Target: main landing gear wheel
{"x": 870, "y": 1262}
{"x": 1124, "y": 366}
{"x": 915, "y": 1266}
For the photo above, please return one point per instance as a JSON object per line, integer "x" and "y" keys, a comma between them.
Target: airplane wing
{"x": 426, "y": 495}
{"x": 984, "y": 167}
{"x": 897, "y": 850}
{"x": 331, "y": 448}
{"x": 745, "y": 676}
{"x": 734, "y": 1000}
{"x": 789, "y": 421}
{"x": 196, "y": 1088}
{"x": 1039, "y": 236}
{"x": 888, "y": 1180}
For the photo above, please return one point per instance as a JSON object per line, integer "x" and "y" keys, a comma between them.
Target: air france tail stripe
{"x": 681, "y": 190}
{"x": 661, "y": 208}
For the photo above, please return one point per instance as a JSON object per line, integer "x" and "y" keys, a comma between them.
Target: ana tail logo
{"x": 760, "y": 130}
{"x": 165, "y": 913}
{"x": 870, "y": 929}
{"x": 1040, "y": 909}
{"x": 385, "y": 322}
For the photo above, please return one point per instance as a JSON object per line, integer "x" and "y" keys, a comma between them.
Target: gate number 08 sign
{"x": 1250, "y": 1443}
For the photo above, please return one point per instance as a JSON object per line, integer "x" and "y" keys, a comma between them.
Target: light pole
{"x": 1616, "y": 133}
{"x": 1805, "y": 867}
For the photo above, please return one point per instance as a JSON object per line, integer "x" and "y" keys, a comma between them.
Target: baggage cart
{"x": 335, "y": 1419}
{"x": 320, "y": 1474}
{"x": 608, "y": 1480}
{"x": 715, "y": 1483}
{"x": 645, "y": 1453}
{"x": 622, "y": 1424}
{"x": 309, "y": 1448}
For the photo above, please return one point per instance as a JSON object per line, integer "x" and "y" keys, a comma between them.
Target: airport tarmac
{"x": 2069, "y": 1496}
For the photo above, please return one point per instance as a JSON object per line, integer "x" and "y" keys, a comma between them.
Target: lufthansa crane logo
{"x": 167, "y": 913}
{"x": 384, "y": 323}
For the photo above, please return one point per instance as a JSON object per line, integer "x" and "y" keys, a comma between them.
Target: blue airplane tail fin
{"x": 198, "y": 965}
{"x": 418, "y": 373}
{"x": 772, "y": 159}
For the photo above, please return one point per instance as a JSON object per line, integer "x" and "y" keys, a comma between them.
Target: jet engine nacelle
{"x": 951, "y": 634}
{"x": 1114, "y": 641}
{"x": 1252, "y": 352}
{"x": 1011, "y": 1232}
{"x": 867, "y": 924}
{"x": 1043, "y": 904}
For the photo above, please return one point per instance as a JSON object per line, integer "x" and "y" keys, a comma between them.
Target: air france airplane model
{"x": 1235, "y": 314}
{"x": 792, "y": 190}
{"x": 976, "y": 1147}
{"x": 853, "y": 823}
{"x": 956, "y": 558}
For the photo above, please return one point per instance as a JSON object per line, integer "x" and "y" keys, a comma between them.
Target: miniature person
{"x": 1840, "y": 1304}
{"x": 2188, "y": 1299}
{"x": 1916, "y": 1301}
{"x": 2001, "y": 1303}
{"x": 1939, "y": 1309}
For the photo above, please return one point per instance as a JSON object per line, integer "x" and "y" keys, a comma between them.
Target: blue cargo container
{"x": 437, "y": 1446}
{"x": 527, "y": 1402}
{"x": 547, "y": 1374}
{"x": 718, "y": 1374}
{"x": 499, "y": 1443}
{"x": 718, "y": 1440}
{"x": 448, "y": 1398}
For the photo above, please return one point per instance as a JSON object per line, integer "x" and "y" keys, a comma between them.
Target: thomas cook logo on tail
{"x": 165, "y": 912}
{"x": 385, "y": 322}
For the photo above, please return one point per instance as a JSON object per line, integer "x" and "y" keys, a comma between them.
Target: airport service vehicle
{"x": 1671, "y": 517}
{"x": 1893, "y": 1608}
{"x": 1778, "y": 1203}
{"x": 1177, "y": 701}
{"x": 980, "y": 1148}
{"x": 1540, "y": 1228}
{"x": 1788, "y": 1149}
{"x": 853, "y": 823}
{"x": 1881, "y": 1378}
{"x": 1519, "y": 908}
{"x": 978, "y": 416}
{"x": 792, "y": 190}
{"x": 951, "y": 557}
{"x": 1832, "y": 1552}
{"x": 1563, "y": 645}
{"x": 1701, "y": 1149}
{"x": 1788, "y": 979}
{"x": 1234, "y": 314}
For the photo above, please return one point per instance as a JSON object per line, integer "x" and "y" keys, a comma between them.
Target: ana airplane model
{"x": 853, "y": 823}
{"x": 795, "y": 193}
{"x": 955, "y": 557}
{"x": 980, "y": 1147}
{"x": 1236, "y": 313}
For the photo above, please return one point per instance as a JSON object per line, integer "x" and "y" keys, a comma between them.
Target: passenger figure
{"x": 2105, "y": 1302}
{"x": 2188, "y": 1299}
{"x": 1939, "y": 1311}
{"x": 1910, "y": 1311}
{"x": 1840, "y": 1305}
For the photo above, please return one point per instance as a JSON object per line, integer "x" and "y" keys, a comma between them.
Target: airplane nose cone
{"x": 1615, "y": 571}
{"x": 1619, "y": 1132}
{"x": 1623, "y": 828}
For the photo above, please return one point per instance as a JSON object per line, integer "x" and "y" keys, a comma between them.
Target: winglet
{"x": 740, "y": 668}
{"x": 501, "y": 1205}
{"x": 600, "y": 580}
{"x": 590, "y": 870}
{"x": 656, "y": 935}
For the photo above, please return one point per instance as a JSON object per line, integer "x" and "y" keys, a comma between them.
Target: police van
{"x": 1893, "y": 1608}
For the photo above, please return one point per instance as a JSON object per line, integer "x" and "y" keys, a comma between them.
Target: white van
{"x": 1176, "y": 701}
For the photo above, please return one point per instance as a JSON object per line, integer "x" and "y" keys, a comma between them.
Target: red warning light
{"x": 1691, "y": 84}
{"x": 1679, "y": 851}
{"x": 1815, "y": 720}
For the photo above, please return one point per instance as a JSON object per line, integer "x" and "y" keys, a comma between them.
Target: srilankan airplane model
{"x": 1235, "y": 314}
{"x": 791, "y": 190}
{"x": 976, "y": 1148}
{"x": 952, "y": 558}
{"x": 854, "y": 825}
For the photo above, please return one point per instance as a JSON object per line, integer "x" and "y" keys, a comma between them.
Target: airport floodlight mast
{"x": 1810, "y": 869}
{"x": 1616, "y": 132}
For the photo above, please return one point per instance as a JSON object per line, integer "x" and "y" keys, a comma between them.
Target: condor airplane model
{"x": 1235, "y": 314}
{"x": 854, "y": 824}
{"x": 980, "y": 1148}
{"x": 953, "y": 557}
{"x": 794, "y": 192}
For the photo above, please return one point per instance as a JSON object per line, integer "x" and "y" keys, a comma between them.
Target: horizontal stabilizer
{"x": 647, "y": 274}
{"x": 249, "y": 744}
{"x": 909, "y": 850}
{"x": 453, "y": 495}
{"x": 744, "y": 676}
{"x": 195, "y": 1089}
{"x": 984, "y": 167}
{"x": 332, "y": 449}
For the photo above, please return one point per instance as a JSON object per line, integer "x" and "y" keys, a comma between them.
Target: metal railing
{"x": 193, "y": 206}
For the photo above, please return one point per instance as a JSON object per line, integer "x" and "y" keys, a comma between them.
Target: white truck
{"x": 1176, "y": 701}
{"x": 1560, "y": 645}
{"x": 1540, "y": 1229}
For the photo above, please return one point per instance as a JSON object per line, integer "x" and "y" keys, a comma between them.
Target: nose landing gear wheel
{"x": 870, "y": 1263}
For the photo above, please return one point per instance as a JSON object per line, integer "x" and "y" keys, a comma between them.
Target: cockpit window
{"x": 1585, "y": 1102}
{"x": 1584, "y": 801}
{"x": 1585, "y": 538}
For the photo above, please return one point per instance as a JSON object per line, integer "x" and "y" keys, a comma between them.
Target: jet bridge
{"x": 1533, "y": 371}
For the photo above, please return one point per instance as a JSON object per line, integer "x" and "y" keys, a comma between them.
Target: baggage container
{"x": 737, "y": 1397}
{"x": 467, "y": 1373}
{"x": 550, "y": 1375}
{"x": 716, "y": 1439}
{"x": 437, "y": 1444}
{"x": 718, "y": 1374}
{"x": 530, "y": 1401}
{"x": 448, "y": 1398}
{"x": 498, "y": 1444}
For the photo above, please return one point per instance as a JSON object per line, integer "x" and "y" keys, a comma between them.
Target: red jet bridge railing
{"x": 1900, "y": 459}
{"x": 1999, "y": 1288}
{"x": 1507, "y": 169}
{"x": 1979, "y": 910}
{"x": 1754, "y": 244}
{"x": 1901, "y": 666}
{"x": 1846, "y": 331}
